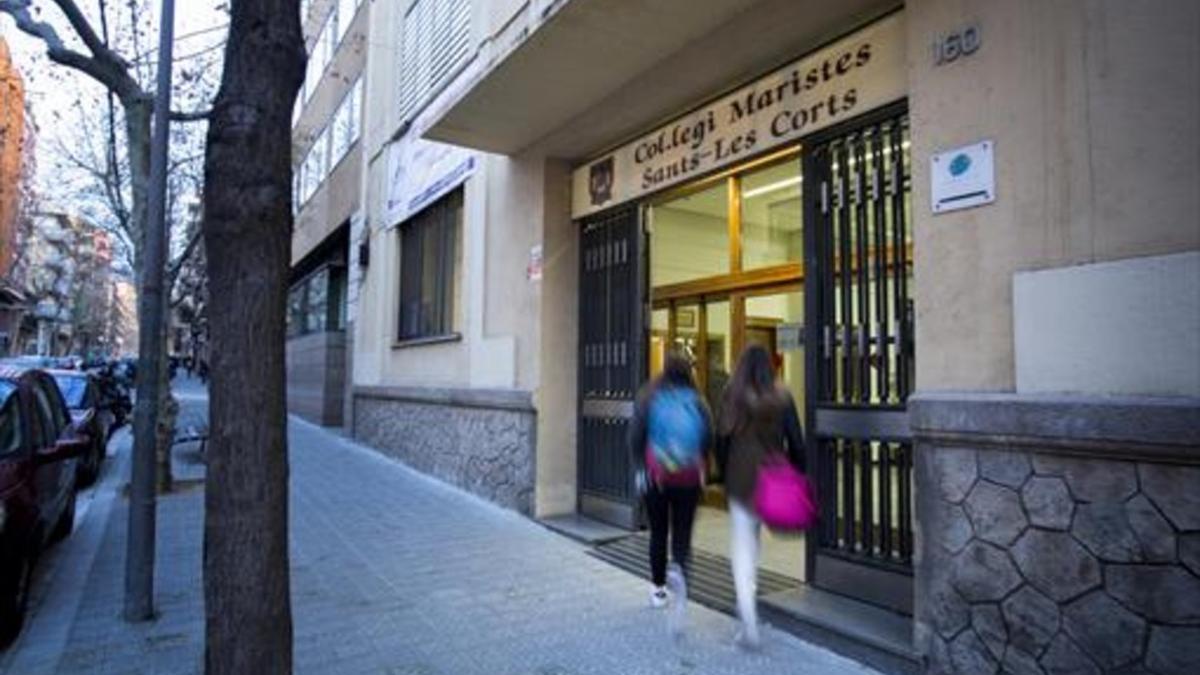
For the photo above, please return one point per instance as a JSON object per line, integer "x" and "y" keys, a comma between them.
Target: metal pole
{"x": 139, "y": 560}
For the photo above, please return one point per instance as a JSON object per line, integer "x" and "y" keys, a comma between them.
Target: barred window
{"x": 428, "y": 250}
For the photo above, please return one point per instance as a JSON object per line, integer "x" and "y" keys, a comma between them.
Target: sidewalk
{"x": 392, "y": 572}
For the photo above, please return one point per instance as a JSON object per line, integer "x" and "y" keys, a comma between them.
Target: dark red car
{"x": 39, "y": 445}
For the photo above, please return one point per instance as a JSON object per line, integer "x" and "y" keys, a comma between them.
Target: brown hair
{"x": 677, "y": 371}
{"x": 753, "y": 379}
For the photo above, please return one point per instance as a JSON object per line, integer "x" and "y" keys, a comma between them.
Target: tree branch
{"x": 178, "y": 263}
{"x": 19, "y": 11}
{"x": 84, "y": 29}
{"x": 105, "y": 67}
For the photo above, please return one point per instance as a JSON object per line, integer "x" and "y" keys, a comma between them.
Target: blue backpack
{"x": 676, "y": 433}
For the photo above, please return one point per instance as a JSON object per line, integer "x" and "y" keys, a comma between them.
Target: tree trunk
{"x": 247, "y": 233}
{"x": 168, "y": 413}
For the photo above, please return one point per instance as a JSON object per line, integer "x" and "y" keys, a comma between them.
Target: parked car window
{"x": 52, "y": 422}
{"x": 37, "y": 421}
{"x": 73, "y": 389}
{"x": 58, "y": 407}
{"x": 10, "y": 422}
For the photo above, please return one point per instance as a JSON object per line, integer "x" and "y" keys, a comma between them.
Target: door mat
{"x": 711, "y": 581}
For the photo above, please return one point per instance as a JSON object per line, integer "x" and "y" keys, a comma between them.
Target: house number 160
{"x": 949, "y": 47}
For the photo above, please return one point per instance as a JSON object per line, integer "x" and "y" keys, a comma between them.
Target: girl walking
{"x": 758, "y": 422}
{"x": 669, "y": 437}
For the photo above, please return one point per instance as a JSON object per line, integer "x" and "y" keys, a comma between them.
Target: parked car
{"x": 29, "y": 361}
{"x": 39, "y": 445}
{"x": 81, "y": 392}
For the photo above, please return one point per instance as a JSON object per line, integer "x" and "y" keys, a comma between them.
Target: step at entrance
{"x": 873, "y": 635}
{"x": 866, "y": 633}
{"x": 711, "y": 582}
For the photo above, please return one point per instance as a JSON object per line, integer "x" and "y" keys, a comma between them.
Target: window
{"x": 346, "y": 10}
{"x": 316, "y": 310}
{"x": 435, "y": 40}
{"x": 73, "y": 389}
{"x": 690, "y": 236}
{"x": 317, "y": 303}
{"x": 320, "y": 151}
{"x": 50, "y": 415}
{"x": 771, "y": 215}
{"x": 427, "y": 260}
{"x": 312, "y": 172}
{"x": 318, "y": 59}
{"x": 695, "y": 235}
{"x": 346, "y": 122}
{"x": 295, "y": 312}
{"x": 337, "y": 299}
{"x": 10, "y": 424}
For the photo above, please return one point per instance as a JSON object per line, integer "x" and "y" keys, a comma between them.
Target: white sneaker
{"x": 658, "y": 597}
{"x": 677, "y": 584}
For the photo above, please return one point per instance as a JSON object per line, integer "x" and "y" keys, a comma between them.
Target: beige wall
{"x": 1122, "y": 327}
{"x": 1093, "y": 108}
{"x": 557, "y": 349}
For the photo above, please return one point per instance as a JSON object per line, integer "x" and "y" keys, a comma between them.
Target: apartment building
{"x": 327, "y": 156}
{"x": 966, "y": 230}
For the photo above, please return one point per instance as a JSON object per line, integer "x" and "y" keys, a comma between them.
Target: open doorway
{"x": 725, "y": 273}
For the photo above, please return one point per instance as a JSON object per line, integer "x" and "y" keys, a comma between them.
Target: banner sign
{"x": 860, "y": 72}
{"x": 420, "y": 172}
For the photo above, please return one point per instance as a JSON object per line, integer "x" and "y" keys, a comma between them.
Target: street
{"x": 392, "y": 572}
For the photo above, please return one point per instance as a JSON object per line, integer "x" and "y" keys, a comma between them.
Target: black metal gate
{"x": 858, "y": 283}
{"x": 612, "y": 361}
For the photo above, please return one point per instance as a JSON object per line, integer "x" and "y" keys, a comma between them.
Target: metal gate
{"x": 612, "y": 362}
{"x": 859, "y": 264}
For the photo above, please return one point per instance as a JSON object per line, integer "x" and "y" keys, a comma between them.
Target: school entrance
{"x": 805, "y": 251}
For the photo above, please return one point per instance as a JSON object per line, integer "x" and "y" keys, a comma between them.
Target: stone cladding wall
{"x": 1043, "y": 563}
{"x": 488, "y": 451}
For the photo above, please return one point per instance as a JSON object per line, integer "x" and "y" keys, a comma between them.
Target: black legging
{"x": 676, "y": 506}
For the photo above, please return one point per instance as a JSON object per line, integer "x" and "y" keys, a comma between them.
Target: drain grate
{"x": 711, "y": 582}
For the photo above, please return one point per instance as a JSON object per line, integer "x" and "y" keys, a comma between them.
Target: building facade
{"x": 14, "y": 154}
{"x": 65, "y": 273}
{"x": 327, "y": 170}
{"x": 966, "y": 230}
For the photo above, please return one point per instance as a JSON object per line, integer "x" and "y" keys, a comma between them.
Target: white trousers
{"x": 744, "y": 528}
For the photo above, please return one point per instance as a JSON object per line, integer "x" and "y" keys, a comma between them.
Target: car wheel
{"x": 66, "y": 522}
{"x": 14, "y": 600}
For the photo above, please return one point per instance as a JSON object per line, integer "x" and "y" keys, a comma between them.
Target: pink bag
{"x": 686, "y": 477}
{"x": 784, "y": 498}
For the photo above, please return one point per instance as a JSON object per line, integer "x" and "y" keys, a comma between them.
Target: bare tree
{"x": 119, "y": 171}
{"x": 247, "y": 233}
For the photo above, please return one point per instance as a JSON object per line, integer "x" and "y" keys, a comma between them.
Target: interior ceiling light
{"x": 771, "y": 187}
